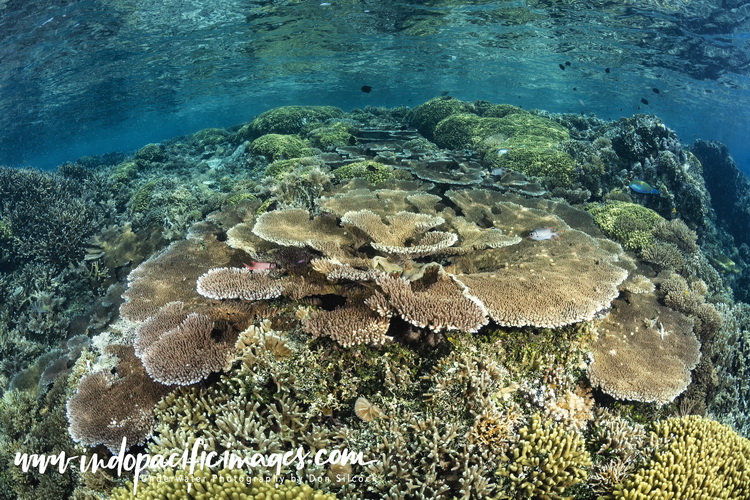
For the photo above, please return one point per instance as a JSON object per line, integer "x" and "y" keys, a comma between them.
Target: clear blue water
{"x": 88, "y": 77}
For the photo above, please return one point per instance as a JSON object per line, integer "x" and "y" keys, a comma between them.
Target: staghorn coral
{"x": 108, "y": 407}
{"x": 545, "y": 461}
{"x": 694, "y": 457}
{"x": 34, "y": 422}
{"x": 616, "y": 438}
{"x": 731, "y": 357}
{"x": 644, "y": 351}
{"x": 47, "y": 217}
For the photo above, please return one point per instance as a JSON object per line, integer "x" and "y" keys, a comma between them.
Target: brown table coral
{"x": 644, "y": 352}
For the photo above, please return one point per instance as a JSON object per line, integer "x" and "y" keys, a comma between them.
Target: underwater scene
{"x": 359, "y": 249}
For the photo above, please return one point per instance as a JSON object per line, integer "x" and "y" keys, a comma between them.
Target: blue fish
{"x": 643, "y": 187}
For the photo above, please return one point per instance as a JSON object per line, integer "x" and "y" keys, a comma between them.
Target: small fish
{"x": 255, "y": 267}
{"x": 444, "y": 93}
{"x": 501, "y": 152}
{"x": 655, "y": 90}
{"x": 366, "y": 89}
{"x": 606, "y": 70}
{"x": 642, "y": 187}
{"x": 562, "y": 66}
{"x": 498, "y": 172}
{"x": 644, "y": 101}
{"x": 544, "y": 233}
{"x": 567, "y": 63}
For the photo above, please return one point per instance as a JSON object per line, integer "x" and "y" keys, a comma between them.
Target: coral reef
{"x": 381, "y": 294}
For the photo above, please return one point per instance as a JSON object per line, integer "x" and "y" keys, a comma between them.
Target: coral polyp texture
{"x": 182, "y": 348}
{"x": 546, "y": 462}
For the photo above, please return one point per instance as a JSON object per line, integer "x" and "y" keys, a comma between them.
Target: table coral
{"x": 109, "y": 407}
{"x": 644, "y": 352}
{"x": 177, "y": 347}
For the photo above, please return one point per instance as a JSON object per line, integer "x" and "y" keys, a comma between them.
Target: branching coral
{"x": 630, "y": 224}
{"x": 694, "y": 458}
{"x": 545, "y": 462}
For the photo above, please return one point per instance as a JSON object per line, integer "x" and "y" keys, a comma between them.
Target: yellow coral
{"x": 695, "y": 458}
{"x": 546, "y": 462}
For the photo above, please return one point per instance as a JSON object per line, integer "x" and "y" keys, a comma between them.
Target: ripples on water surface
{"x": 93, "y": 76}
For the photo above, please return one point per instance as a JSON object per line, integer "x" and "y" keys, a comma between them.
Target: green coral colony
{"x": 365, "y": 282}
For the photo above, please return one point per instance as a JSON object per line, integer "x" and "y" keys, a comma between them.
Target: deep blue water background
{"x": 89, "y": 77}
